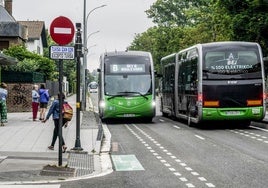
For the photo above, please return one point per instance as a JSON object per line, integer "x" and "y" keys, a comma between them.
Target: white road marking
{"x": 183, "y": 179}
{"x": 188, "y": 168}
{"x": 190, "y": 185}
{"x": 251, "y": 135}
{"x": 259, "y": 128}
{"x": 200, "y": 137}
{"x": 210, "y": 185}
{"x": 202, "y": 179}
{"x": 177, "y": 174}
{"x": 172, "y": 169}
{"x": 195, "y": 173}
{"x": 176, "y": 127}
{"x": 164, "y": 162}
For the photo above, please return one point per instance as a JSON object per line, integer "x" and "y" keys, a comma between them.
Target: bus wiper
{"x": 131, "y": 92}
{"x": 113, "y": 96}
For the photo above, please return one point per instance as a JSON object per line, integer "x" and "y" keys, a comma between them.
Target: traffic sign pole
{"x": 60, "y": 109}
{"x": 62, "y": 32}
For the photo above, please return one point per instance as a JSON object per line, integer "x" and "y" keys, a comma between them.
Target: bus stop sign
{"x": 62, "y": 30}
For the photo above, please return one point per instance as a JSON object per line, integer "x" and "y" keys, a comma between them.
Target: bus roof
{"x": 220, "y": 43}
{"x": 229, "y": 43}
{"x": 126, "y": 53}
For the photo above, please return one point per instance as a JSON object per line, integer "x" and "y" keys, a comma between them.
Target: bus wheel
{"x": 244, "y": 124}
{"x": 148, "y": 119}
{"x": 164, "y": 114}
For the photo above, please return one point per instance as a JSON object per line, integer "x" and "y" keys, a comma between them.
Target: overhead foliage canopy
{"x": 181, "y": 23}
{"x": 30, "y": 62}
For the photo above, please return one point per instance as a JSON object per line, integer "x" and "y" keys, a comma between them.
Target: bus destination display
{"x": 127, "y": 68}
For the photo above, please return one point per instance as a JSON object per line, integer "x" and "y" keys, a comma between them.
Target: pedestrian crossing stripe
{"x": 126, "y": 163}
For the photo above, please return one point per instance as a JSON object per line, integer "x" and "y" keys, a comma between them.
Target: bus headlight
{"x": 153, "y": 103}
{"x": 102, "y": 104}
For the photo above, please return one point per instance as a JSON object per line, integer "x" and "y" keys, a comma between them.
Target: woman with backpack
{"x": 54, "y": 111}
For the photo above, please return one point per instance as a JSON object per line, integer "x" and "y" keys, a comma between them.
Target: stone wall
{"x": 19, "y": 97}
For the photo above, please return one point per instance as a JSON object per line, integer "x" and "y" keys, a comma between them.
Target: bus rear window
{"x": 231, "y": 62}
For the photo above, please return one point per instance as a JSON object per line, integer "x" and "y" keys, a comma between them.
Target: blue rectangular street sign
{"x": 61, "y": 52}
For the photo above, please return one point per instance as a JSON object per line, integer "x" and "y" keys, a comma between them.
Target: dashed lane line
{"x": 251, "y": 135}
{"x": 200, "y": 137}
{"x": 168, "y": 154}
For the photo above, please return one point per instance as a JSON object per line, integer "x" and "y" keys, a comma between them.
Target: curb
{"x": 102, "y": 160}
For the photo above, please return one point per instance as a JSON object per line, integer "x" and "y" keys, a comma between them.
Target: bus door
{"x": 168, "y": 88}
{"x": 187, "y": 86}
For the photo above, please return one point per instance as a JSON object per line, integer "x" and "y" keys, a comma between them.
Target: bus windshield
{"x": 238, "y": 62}
{"x": 127, "y": 76}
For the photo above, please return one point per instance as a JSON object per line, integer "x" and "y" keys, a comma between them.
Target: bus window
{"x": 232, "y": 62}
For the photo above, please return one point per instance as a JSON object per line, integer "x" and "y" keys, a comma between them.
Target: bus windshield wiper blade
{"x": 113, "y": 96}
{"x": 131, "y": 92}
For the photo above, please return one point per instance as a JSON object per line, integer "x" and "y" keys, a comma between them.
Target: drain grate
{"x": 82, "y": 162}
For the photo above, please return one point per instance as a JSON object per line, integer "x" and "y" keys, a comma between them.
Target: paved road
{"x": 168, "y": 153}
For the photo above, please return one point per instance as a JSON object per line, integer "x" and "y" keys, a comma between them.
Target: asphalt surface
{"x": 26, "y": 159}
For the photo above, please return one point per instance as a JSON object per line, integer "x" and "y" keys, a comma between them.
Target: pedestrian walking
{"x": 3, "y": 105}
{"x": 54, "y": 111}
{"x": 35, "y": 101}
{"x": 44, "y": 98}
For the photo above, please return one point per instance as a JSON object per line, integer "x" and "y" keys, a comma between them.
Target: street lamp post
{"x": 85, "y": 47}
{"x": 85, "y": 19}
{"x": 78, "y": 55}
{"x": 92, "y": 34}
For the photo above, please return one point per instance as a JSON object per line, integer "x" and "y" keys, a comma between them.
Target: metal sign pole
{"x": 62, "y": 32}
{"x": 60, "y": 109}
{"x": 78, "y": 50}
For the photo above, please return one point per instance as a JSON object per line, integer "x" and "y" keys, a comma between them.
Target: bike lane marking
{"x": 169, "y": 154}
{"x": 126, "y": 163}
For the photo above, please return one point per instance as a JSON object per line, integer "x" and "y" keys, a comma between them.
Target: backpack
{"x": 67, "y": 111}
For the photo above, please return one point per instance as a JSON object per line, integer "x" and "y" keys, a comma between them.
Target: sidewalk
{"x": 24, "y": 152}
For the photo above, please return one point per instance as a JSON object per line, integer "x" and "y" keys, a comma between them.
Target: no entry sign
{"x": 62, "y": 30}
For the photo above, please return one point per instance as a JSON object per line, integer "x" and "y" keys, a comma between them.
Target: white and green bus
{"x": 214, "y": 81}
{"x": 126, "y": 85}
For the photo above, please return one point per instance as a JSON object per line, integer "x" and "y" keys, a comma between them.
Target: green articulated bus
{"x": 126, "y": 85}
{"x": 214, "y": 81}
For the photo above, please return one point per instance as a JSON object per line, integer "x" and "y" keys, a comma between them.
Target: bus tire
{"x": 164, "y": 114}
{"x": 148, "y": 119}
{"x": 245, "y": 124}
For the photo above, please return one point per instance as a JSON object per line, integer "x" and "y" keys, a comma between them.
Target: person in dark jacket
{"x": 43, "y": 100}
{"x": 54, "y": 111}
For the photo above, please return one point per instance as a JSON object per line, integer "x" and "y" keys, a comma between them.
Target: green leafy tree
{"x": 175, "y": 12}
{"x": 30, "y": 62}
{"x": 249, "y": 20}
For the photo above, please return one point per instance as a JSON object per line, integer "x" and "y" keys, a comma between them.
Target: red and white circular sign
{"x": 62, "y": 30}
